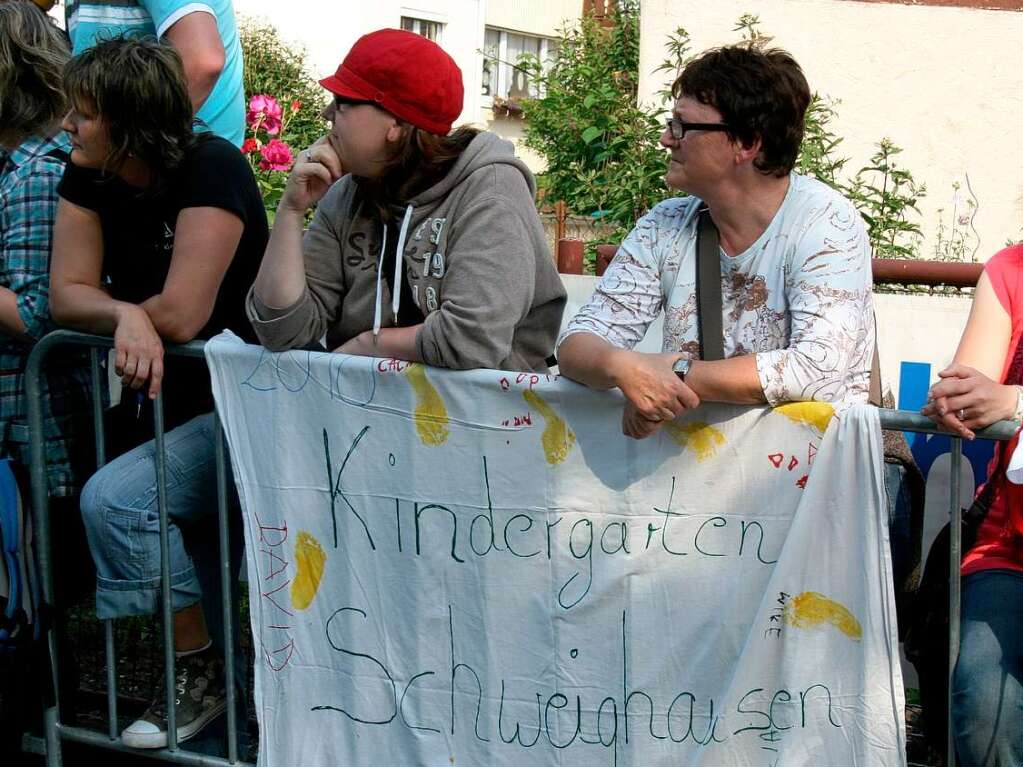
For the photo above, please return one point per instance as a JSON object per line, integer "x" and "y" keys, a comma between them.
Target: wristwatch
{"x": 681, "y": 368}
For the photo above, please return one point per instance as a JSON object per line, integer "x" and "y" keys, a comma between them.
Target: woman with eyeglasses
{"x": 425, "y": 244}
{"x": 788, "y": 258}
{"x": 158, "y": 236}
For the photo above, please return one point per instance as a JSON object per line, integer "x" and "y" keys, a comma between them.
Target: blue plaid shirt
{"x": 28, "y": 207}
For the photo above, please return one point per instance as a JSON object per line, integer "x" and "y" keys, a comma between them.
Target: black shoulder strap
{"x": 708, "y": 289}
{"x": 874, "y": 396}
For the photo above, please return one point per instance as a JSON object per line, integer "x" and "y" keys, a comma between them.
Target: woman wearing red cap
{"x": 474, "y": 285}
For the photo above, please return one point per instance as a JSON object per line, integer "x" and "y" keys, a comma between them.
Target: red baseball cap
{"x": 406, "y": 74}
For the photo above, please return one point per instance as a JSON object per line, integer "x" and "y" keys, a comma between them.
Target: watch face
{"x": 680, "y": 368}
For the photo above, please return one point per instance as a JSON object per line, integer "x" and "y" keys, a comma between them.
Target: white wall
{"x": 544, "y": 18}
{"x": 944, "y": 83}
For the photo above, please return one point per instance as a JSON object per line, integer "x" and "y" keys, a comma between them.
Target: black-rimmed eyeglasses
{"x": 679, "y": 127}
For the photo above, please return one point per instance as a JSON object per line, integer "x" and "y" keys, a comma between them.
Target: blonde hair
{"x": 33, "y": 53}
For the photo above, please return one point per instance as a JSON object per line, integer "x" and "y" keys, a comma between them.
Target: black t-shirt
{"x": 138, "y": 242}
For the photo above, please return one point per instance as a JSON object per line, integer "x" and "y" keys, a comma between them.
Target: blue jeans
{"x": 122, "y": 524}
{"x": 900, "y": 532}
{"x": 987, "y": 687}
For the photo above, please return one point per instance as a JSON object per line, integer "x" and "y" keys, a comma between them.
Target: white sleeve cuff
{"x": 180, "y": 13}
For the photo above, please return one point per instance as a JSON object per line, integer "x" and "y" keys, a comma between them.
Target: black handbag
{"x": 926, "y": 642}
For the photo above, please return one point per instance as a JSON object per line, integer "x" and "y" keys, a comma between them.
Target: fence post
{"x": 570, "y": 256}
{"x": 560, "y": 214}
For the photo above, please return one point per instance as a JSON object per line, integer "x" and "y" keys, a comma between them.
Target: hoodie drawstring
{"x": 398, "y": 257}
{"x": 380, "y": 274}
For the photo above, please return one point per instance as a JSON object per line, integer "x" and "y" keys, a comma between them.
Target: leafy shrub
{"x": 284, "y": 106}
{"x": 886, "y": 196}
{"x": 270, "y": 157}
{"x": 274, "y": 67}
{"x": 601, "y": 148}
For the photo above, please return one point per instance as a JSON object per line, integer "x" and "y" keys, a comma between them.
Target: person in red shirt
{"x": 980, "y": 387}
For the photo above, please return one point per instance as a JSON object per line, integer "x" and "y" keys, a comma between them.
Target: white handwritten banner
{"x": 479, "y": 569}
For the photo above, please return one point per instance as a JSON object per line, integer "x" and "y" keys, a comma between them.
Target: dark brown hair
{"x": 760, "y": 93}
{"x": 420, "y": 160}
{"x": 33, "y": 53}
{"x": 138, "y": 88}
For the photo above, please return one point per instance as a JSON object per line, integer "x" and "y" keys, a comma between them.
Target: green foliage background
{"x": 601, "y": 148}
{"x": 278, "y": 69}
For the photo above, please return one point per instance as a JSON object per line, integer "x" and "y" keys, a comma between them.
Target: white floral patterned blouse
{"x": 799, "y": 298}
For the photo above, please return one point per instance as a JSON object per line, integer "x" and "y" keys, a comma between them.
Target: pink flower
{"x": 250, "y": 146}
{"x": 265, "y": 112}
{"x": 276, "y": 156}
{"x": 296, "y": 105}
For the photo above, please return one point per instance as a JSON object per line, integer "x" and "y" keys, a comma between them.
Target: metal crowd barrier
{"x": 56, "y": 731}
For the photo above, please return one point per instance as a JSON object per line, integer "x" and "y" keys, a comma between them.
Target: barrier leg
{"x": 165, "y": 581}
{"x": 955, "y": 559}
{"x": 226, "y": 578}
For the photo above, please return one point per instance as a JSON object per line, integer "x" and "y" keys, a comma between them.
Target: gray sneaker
{"x": 200, "y": 698}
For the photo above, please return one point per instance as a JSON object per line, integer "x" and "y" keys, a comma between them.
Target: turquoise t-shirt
{"x": 223, "y": 112}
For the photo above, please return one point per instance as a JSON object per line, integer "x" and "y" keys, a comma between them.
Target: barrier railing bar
{"x": 1003, "y": 430}
{"x": 954, "y": 563}
{"x": 97, "y": 407}
{"x": 908, "y": 420}
{"x": 93, "y": 738}
{"x": 98, "y": 432}
{"x": 225, "y": 590}
{"x": 41, "y": 526}
{"x": 111, "y": 655}
{"x": 165, "y": 581}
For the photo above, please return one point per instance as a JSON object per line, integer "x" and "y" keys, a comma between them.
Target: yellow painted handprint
{"x": 557, "y": 438}
{"x": 430, "y": 415}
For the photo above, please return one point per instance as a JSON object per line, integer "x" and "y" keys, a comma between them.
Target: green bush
{"x": 601, "y": 148}
{"x": 283, "y": 106}
{"x": 275, "y": 68}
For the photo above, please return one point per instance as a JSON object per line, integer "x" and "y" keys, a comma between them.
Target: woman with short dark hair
{"x": 425, "y": 245}
{"x": 789, "y": 259}
{"x": 159, "y": 234}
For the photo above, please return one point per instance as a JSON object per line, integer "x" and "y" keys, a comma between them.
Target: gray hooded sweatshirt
{"x": 476, "y": 259}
